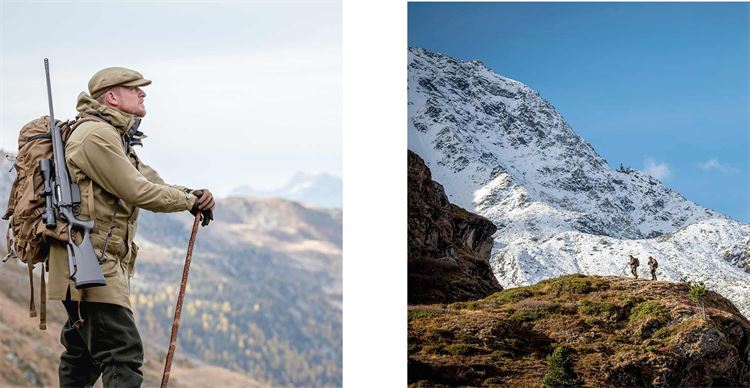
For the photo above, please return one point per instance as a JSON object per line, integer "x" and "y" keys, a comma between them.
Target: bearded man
{"x": 100, "y": 336}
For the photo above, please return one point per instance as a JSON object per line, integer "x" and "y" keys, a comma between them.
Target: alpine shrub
{"x": 697, "y": 294}
{"x": 558, "y": 369}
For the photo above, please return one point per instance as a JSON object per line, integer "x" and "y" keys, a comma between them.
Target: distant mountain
{"x": 317, "y": 188}
{"x": 501, "y": 150}
{"x": 265, "y": 293}
{"x": 246, "y": 191}
{"x": 264, "y": 296}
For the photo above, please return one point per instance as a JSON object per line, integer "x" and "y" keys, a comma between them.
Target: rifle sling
{"x": 32, "y": 305}
{"x": 43, "y": 302}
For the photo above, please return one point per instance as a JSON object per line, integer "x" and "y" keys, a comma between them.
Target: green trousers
{"x": 107, "y": 343}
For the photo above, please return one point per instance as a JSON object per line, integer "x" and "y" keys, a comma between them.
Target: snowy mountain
{"x": 503, "y": 151}
{"x": 316, "y": 188}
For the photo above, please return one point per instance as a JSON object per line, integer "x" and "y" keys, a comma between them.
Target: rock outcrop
{"x": 612, "y": 331}
{"x": 449, "y": 247}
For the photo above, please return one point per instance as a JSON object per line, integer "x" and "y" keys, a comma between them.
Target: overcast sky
{"x": 243, "y": 93}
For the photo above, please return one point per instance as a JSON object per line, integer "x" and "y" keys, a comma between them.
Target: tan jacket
{"x": 113, "y": 181}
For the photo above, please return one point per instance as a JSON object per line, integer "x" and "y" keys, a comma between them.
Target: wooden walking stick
{"x": 178, "y": 307}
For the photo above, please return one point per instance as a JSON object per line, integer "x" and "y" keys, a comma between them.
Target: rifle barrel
{"x": 49, "y": 90}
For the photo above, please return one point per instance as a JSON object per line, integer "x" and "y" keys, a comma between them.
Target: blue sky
{"x": 661, "y": 87}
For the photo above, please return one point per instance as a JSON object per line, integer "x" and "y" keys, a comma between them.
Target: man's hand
{"x": 204, "y": 204}
{"x": 205, "y": 199}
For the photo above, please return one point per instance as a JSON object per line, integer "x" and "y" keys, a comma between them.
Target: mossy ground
{"x": 608, "y": 323}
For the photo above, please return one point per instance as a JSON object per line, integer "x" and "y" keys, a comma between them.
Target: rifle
{"x": 65, "y": 197}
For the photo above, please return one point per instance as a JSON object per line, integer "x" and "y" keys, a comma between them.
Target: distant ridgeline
{"x": 264, "y": 295}
{"x": 500, "y": 150}
{"x": 316, "y": 188}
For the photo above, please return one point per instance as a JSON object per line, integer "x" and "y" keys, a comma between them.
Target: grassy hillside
{"x": 581, "y": 330}
{"x": 264, "y": 295}
{"x": 30, "y": 357}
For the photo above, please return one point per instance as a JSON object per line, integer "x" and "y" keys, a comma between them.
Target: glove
{"x": 206, "y": 215}
{"x": 204, "y": 204}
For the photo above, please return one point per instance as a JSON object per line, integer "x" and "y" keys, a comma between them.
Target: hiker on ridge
{"x": 100, "y": 336}
{"x": 653, "y": 265}
{"x": 634, "y": 263}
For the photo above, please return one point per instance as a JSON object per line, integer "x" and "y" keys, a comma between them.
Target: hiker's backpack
{"x": 28, "y": 238}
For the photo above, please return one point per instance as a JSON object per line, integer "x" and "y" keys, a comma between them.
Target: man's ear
{"x": 110, "y": 97}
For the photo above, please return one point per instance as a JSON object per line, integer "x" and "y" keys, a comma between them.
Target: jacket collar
{"x": 122, "y": 121}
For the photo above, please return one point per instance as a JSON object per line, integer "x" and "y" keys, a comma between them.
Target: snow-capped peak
{"x": 503, "y": 151}
{"x": 499, "y": 147}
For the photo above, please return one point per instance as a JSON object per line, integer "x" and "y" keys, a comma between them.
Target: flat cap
{"x": 114, "y": 76}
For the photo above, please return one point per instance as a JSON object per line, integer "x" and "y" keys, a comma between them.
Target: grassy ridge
{"x": 615, "y": 331}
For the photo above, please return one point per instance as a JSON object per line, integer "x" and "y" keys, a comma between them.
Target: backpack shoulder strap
{"x": 80, "y": 120}
{"x": 11, "y": 201}
{"x": 71, "y": 125}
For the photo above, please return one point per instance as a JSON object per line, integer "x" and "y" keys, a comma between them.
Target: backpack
{"x": 28, "y": 238}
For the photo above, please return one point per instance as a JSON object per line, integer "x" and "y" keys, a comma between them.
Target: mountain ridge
{"x": 487, "y": 130}
{"x": 501, "y": 150}
{"x": 316, "y": 188}
{"x": 264, "y": 297}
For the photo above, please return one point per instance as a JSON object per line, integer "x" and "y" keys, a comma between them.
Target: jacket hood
{"x": 117, "y": 118}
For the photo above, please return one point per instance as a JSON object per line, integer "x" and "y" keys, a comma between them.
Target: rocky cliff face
{"x": 739, "y": 253}
{"x": 449, "y": 247}
{"x": 504, "y": 152}
{"x": 613, "y": 331}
